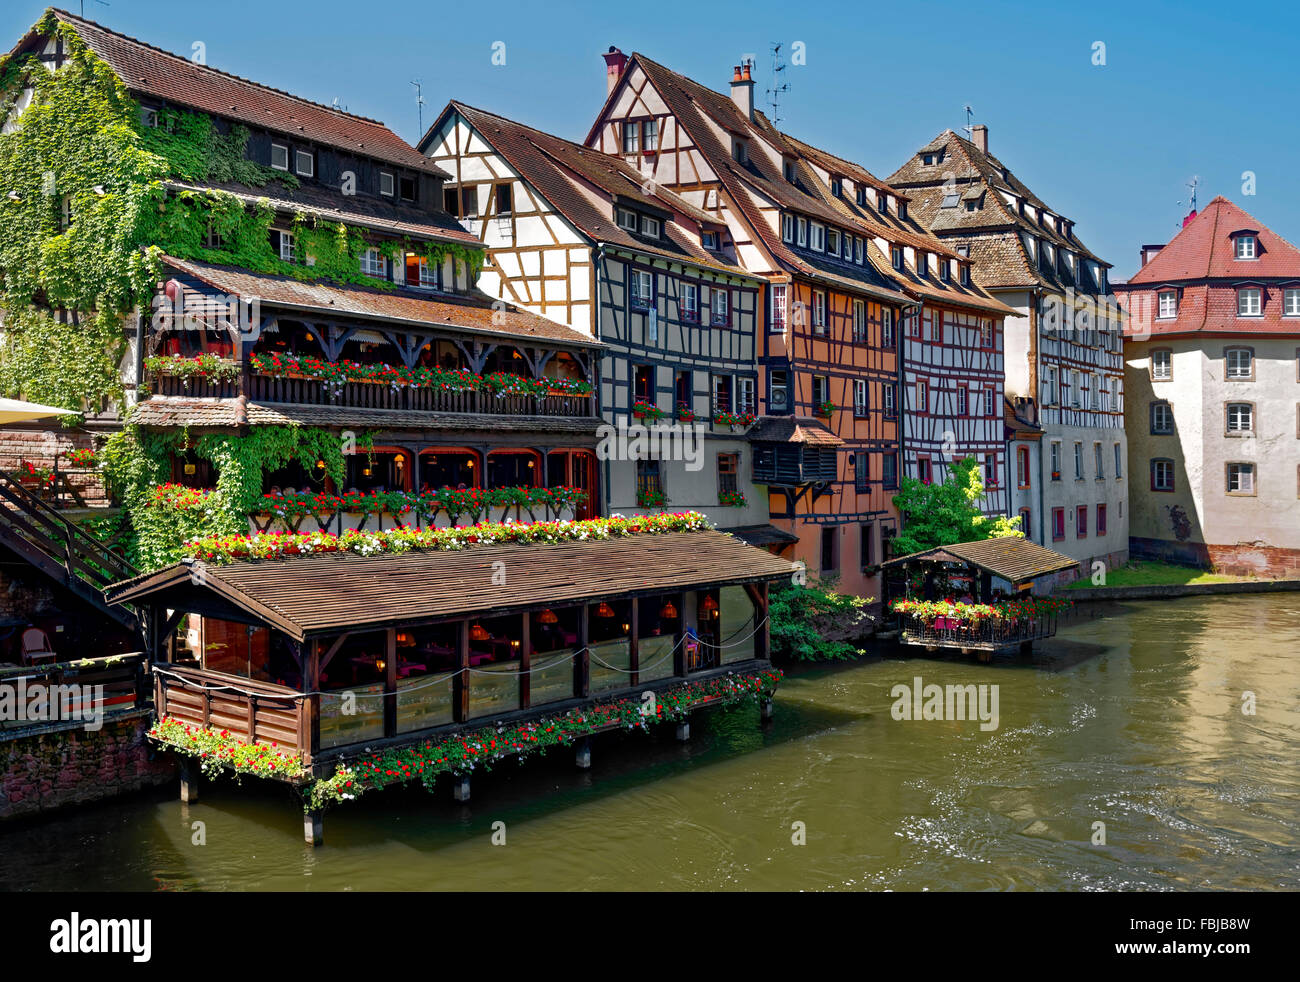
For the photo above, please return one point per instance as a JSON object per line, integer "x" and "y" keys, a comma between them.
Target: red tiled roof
{"x": 566, "y": 174}
{"x": 793, "y": 429}
{"x": 154, "y": 72}
{"x": 390, "y": 305}
{"x": 1204, "y": 248}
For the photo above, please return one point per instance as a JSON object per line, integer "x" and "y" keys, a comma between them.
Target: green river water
{"x": 1131, "y": 716}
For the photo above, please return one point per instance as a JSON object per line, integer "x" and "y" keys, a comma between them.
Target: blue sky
{"x": 1191, "y": 88}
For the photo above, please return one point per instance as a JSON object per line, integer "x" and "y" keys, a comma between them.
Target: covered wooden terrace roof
{"x": 331, "y": 593}
{"x": 1014, "y": 559}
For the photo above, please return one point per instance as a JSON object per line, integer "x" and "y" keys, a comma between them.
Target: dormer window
{"x": 709, "y": 239}
{"x": 787, "y": 168}
{"x": 740, "y": 150}
{"x": 922, "y": 264}
{"x": 406, "y": 188}
{"x": 833, "y": 242}
{"x": 279, "y": 156}
{"x": 372, "y": 263}
{"x": 627, "y": 220}
{"x": 1168, "y": 304}
{"x": 650, "y": 227}
{"x": 1247, "y": 247}
{"x": 896, "y": 256}
{"x": 882, "y": 203}
{"x": 386, "y": 185}
{"x": 965, "y": 274}
{"x": 802, "y": 239}
{"x": 817, "y": 237}
{"x": 149, "y": 117}
{"x": 858, "y": 248}
{"x": 862, "y": 196}
{"x": 837, "y": 186}
{"x": 945, "y": 272}
{"x": 304, "y": 164}
{"x": 1250, "y": 302}
{"x": 902, "y": 211}
{"x": 927, "y": 159}
{"x": 787, "y": 228}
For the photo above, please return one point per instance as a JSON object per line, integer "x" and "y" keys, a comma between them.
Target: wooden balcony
{"x": 252, "y": 711}
{"x": 989, "y": 634}
{"x": 69, "y": 690}
{"x": 372, "y": 395}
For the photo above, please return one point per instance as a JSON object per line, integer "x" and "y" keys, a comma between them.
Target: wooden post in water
{"x": 313, "y": 827}
{"x": 582, "y": 753}
{"x": 189, "y": 782}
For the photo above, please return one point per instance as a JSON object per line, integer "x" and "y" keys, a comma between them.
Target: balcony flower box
{"x": 646, "y": 410}
{"x": 732, "y": 499}
{"x": 685, "y": 413}
{"x": 651, "y": 499}
{"x": 733, "y": 420}
{"x": 826, "y": 409}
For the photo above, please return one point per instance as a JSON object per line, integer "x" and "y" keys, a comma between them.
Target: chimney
{"x": 979, "y": 135}
{"x": 1149, "y": 253}
{"x": 742, "y": 90}
{"x": 615, "y": 62}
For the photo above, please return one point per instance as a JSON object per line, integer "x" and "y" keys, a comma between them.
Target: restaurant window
{"x": 728, "y": 469}
{"x": 643, "y": 383}
{"x": 1081, "y": 522}
{"x": 1058, "y": 524}
{"x": 830, "y": 540}
{"x": 1162, "y": 474}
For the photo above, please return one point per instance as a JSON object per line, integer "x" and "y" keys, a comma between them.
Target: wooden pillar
{"x": 679, "y": 653}
{"x": 582, "y": 664}
{"x": 526, "y": 662}
{"x": 633, "y": 647}
{"x": 460, "y": 685}
{"x": 460, "y": 787}
{"x": 390, "y": 682}
{"x": 313, "y": 827}
{"x": 189, "y": 781}
{"x": 582, "y": 753}
{"x": 311, "y": 683}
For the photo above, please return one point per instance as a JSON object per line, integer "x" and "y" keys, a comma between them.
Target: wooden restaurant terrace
{"x": 334, "y": 655}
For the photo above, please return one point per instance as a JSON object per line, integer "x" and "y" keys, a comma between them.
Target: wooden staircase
{"x": 71, "y": 557}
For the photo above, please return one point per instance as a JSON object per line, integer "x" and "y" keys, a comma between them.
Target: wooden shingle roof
{"x": 319, "y": 595}
{"x": 1013, "y": 559}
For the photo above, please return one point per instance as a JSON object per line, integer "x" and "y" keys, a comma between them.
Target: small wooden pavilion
{"x": 333, "y": 654}
{"x": 964, "y": 574}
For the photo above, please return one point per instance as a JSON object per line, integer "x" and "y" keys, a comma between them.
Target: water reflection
{"x": 1132, "y": 719}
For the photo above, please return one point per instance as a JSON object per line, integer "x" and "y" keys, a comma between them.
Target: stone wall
{"x": 57, "y": 767}
{"x": 1242, "y": 559}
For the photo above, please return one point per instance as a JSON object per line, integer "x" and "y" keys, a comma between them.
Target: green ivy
{"x": 136, "y": 461}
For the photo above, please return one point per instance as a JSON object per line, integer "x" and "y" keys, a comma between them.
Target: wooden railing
{"x": 73, "y": 557}
{"x": 374, "y": 395}
{"x": 72, "y": 687}
{"x": 986, "y": 633}
{"x": 252, "y": 711}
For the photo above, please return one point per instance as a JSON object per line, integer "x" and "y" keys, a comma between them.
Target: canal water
{"x": 1132, "y": 719}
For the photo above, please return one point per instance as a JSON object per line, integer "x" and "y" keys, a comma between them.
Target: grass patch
{"x": 1152, "y": 573}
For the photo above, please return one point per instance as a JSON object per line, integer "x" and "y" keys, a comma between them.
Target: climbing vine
{"x": 87, "y": 215}
{"x": 137, "y": 461}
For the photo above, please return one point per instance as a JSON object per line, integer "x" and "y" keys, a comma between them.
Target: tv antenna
{"x": 779, "y": 84}
{"x": 969, "y": 127}
{"x": 419, "y": 102}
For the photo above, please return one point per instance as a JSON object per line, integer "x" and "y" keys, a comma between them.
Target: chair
{"x": 36, "y": 647}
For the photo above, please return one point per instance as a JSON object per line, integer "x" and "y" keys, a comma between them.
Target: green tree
{"x": 801, "y": 617}
{"x": 940, "y": 514}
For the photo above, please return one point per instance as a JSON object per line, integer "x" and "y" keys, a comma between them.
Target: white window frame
{"x": 988, "y": 402}
{"x": 1162, "y": 365}
{"x": 1232, "y": 366}
{"x": 1291, "y": 302}
{"x": 779, "y": 319}
{"x": 887, "y": 339}
{"x": 298, "y": 157}
{"x": 627, "y": 220}
{"x": 691, "y": 302}
{"x": 859, "y": 397}
{"x": 801, "y": 238}
{"x": 819, "y": 312}
{"x": 859, "y": 320}
{"x": 372, "y": 263}
{"x": 1244, "y": 473}
{"x": 1250, "y": 302}
{"x": 1168, "y": 301}
{"x": 817, "y": 237}
{"x": 787, "y": 228}
{"x": 642, "y": 295}
{"x": 280, "y": 146}
{"x": 387, "y": 184}
{"x": 650, "y": 227}
{"x": 1239, "y": 418}
{"x": 720, "y": 306}
{"x": 833, "y": 241}
{"x": 1246, "y": 247}
{"x": 288, "y": 247}
{"x": 744, "y": 395}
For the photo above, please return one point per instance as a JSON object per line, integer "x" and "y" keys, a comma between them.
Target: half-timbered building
{"x": 1064, "y": 346}
{"x": 951, "y": 337}
{"x": 828, "y": 350}
{"x": 585, "y": 240}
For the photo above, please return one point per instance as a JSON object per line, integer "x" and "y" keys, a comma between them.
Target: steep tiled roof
{"x": 565, "y": 173}
{"x": 793, "y": 429}
{"x": 1017, "y": 427}
{"x": 409, "y": 306}
{"x": 167, "y": 412}
{"x": 370, "y": 213}
{"x": 978, "y": 175}
{"x": 162, "y": 75}
{"x": 1204, "y": 248}
{"x": 695, "y": 106}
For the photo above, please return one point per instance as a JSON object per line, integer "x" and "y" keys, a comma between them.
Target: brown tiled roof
{"x": 1014, "y": 559}
{"x": 975, "y": 173}
{"x": 166, "y": 412}
{"x": 793, "y": 429}
{"x": 935, "y": 290}
{"x": 361, "y": 212}
{"x": 398, "y": 305}
{"x": 154, "y": 72}
{"x": 566, "y": 173}
{"x": 1018, "y": 427}
{"x": 763, "y": 535}
{"x": 331, "y": 592}
{"x": 695, "y": 106}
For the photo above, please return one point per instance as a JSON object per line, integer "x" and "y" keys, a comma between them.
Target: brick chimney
{"x": 742, "y": 90}
{"x": 979, "y": 135}
{"x": 615, "y": 62}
